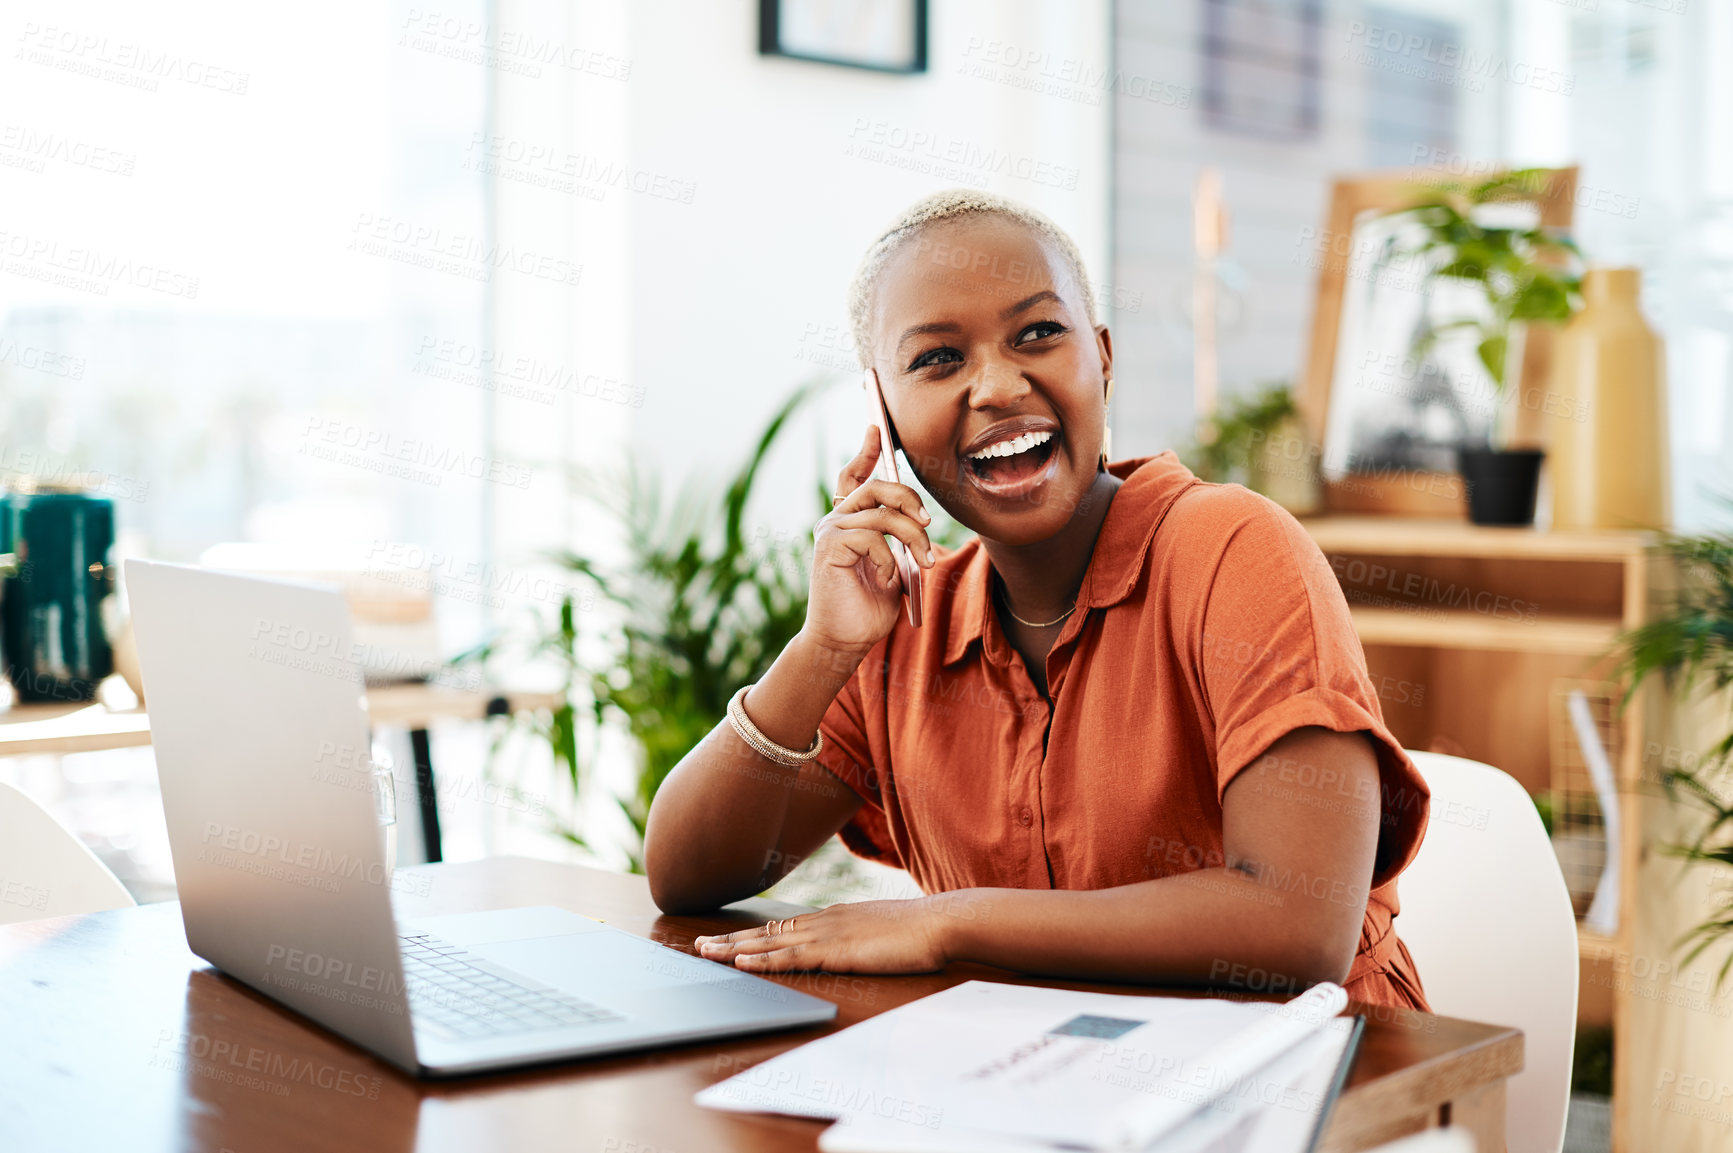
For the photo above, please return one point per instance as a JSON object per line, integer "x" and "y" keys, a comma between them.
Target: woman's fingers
{"x": 752, "y": 934}
{"x": 783, "y": 959}
{"x": 868, "y": 502}
{"x": 891, "y": 508}
{"x": 865, "y": 937}
{"x": 750, "y": 942}
{"x": 886, "y": 521}
{"x": 751, "y": 945}
{"x": 859, "y": 609}
{"x": 889, "y": 494}
{"x": 846, "y": 548}
{"x": 859, "y": 470}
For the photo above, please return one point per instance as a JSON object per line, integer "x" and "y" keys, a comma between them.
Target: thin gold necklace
{"x": 1005, "y": 599}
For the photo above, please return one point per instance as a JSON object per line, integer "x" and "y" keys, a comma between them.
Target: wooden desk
{"x": 84, "y": 728}
{"x": 117, "y": 1037}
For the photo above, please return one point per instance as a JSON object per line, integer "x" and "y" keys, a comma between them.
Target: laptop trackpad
{"x": 601, "y": 966}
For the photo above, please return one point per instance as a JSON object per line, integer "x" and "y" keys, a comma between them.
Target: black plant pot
{"x": 1501, "y": 483}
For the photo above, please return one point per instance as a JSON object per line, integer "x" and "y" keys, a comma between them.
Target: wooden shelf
{"x": 1405, "y": 536}
{"x": 1481, "y": 682}
{"x": 1446, "y": 629}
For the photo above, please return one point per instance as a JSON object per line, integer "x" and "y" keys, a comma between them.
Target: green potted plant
{"x": 1522, "y": 274}
{"x": 1259, "y": 440}
{"x": 704, "y": 604}
{"x": 1691, "y": 647}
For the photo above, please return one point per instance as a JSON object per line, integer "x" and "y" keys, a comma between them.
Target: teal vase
{"x": 52, "y": 637}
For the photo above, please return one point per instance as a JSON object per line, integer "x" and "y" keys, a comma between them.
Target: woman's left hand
{"x": 864, "y": 937}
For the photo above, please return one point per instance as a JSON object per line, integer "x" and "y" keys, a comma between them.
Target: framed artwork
{"x": 1387, "y": 420}
{"x": 881, "y": 35}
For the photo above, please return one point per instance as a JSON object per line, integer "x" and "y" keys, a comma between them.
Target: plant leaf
{"x": 1492, "y": 352}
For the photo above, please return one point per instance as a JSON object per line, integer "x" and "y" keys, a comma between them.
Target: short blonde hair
{"x": 952, "y": 204}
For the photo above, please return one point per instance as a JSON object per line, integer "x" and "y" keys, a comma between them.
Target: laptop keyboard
{"x": 459, "y": 996}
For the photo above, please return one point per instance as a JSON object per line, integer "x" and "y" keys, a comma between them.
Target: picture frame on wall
{"x": 1387, "y": 421}
{"x": 879, "y": 35}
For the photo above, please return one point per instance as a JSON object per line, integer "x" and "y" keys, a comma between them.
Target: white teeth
{"x": 1013, "y": 446}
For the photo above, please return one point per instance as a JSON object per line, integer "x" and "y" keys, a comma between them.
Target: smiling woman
{"x": 1134, "y": 738}
{"x": 967, "y": 262}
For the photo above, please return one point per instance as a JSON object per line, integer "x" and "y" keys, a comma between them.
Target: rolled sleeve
{"x": 1279, "y": 653}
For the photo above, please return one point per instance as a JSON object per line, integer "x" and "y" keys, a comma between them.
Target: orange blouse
{"x": 1208, "y": 626}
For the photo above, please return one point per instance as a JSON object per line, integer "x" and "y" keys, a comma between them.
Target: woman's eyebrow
{"x": 1045, "y": 294}
{"x": 924, "y": 329}
{"x": 1030, "y": 301}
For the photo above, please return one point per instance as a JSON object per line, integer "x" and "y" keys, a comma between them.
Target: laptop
{"x": 259, "y": 721}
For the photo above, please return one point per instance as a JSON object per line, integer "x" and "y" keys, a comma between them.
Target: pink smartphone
{"x": 887, "y": 470}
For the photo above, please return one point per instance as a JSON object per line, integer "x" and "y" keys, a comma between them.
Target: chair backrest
{"x": 1431, "y": 1141}
{"x": 45, "y": 871}
{"x": 1487, "y": 917}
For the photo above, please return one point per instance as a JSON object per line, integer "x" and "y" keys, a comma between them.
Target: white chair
{"x": 1488, "y": 919}
{"x": 45, "y": 871}
{"x": 1431, "y": 1141}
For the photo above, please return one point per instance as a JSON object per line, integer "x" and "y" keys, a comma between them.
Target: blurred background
{"x": 482, "y": 305}
{"x": 543, "y": 233}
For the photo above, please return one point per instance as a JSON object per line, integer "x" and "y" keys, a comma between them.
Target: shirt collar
{"x": 1152, "y": 484}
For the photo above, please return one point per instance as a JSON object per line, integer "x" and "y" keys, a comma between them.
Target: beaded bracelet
{"x": 763, "y": 745}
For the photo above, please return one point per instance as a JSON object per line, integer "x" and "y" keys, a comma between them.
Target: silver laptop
{"x": 259, "y": 720}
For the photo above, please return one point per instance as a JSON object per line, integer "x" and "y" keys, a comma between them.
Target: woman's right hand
{"x": 856, "y": 592}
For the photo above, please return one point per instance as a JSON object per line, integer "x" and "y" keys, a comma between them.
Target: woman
{"x": 1134, "y": 738}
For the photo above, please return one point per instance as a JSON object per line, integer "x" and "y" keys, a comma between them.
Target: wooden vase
{"x": 1608, "y": 412}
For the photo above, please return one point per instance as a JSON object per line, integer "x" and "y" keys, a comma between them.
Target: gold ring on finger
{"x": 836, "y": 500}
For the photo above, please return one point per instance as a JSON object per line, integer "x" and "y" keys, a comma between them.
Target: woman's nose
{"x": 996, "y": 386}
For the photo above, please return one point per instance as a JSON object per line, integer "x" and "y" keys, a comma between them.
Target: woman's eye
{"x": 936, "y": 356}
{"x": 1039, "y": 331}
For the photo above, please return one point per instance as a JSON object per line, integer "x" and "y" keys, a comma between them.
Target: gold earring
{"x": 1106, "y": 429}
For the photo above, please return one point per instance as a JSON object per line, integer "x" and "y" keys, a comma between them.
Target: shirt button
{"x": 1025, "y": 816}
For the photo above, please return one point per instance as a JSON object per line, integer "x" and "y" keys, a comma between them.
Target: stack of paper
{"x": 989, "y": 1066}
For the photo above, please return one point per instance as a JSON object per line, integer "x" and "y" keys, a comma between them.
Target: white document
{"x": 1278, "y": 1109}
{"x": 980, "y": 1062}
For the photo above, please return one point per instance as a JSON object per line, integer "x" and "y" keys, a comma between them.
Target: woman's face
{"x": 993, "y": 376}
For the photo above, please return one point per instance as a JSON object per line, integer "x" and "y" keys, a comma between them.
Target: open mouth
{"x": 1014, "y": 467}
